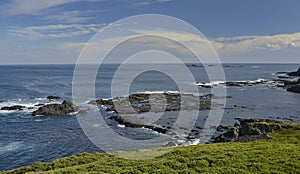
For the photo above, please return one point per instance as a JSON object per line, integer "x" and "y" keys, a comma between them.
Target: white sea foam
{"x": 121, "y": 125}
{"x": 29, "y": 104}
{"x": 259, "y": 81}
{"x": 4, "y": 148}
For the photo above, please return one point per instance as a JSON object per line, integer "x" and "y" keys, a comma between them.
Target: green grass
{"x": 281, "y": 154}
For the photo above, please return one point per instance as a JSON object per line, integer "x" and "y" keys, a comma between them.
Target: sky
{"x": 55, "y": 31}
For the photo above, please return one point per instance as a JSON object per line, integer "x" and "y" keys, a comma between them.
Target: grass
{"x": 281, "y": 154}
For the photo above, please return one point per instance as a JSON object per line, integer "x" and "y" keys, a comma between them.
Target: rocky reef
{"x": 65, "y": 108}
{"x": 248, "y": 130}
{"x": 156, "y": 102}
{"x": 15, "y": 107}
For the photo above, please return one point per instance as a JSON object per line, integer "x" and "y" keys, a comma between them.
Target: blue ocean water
{"x": 25, "y": 139}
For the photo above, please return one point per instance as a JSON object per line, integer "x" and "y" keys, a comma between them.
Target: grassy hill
{"x": 281, "y": 154}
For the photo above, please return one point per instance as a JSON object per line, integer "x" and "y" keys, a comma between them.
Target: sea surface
{"x": 25, "y": 139}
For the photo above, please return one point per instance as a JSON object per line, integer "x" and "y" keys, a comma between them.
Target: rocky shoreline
{"x": 138, "y": 103}
{"x": 248, "y": 130}
{"x": 245, "y": 131}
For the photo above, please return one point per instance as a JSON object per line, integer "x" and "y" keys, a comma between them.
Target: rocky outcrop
{"x": 295, "y": 88}
{"x": 292, "y": 85}
{"x": 248, "y": 130}
{"x": 15, "y": 107}
{"x": 296, "y": 73}
{"x": 134, "y": 123}
{"x": 155, "y": 102}
{"x": 65, "y": 108}
{"x": 52, "y": 97}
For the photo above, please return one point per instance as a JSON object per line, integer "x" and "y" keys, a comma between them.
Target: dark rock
{"x": 134, "y": 123}
{"x": 283, "y": 76}
{"x": 248, "y": 130}
{"x": 194, "y": 65}
{"x": 296, "y": 73}
{"x": 39, "y": 104}
{"x": 52, "y": 97}
{"x": 295, "y": 89}
{"x": 231, "y": 134}
{"x": 258, "y": 126}
{"x": 56, "y": 109}
{"x": 190, "y": 137}
{"x": 15, "y": 107}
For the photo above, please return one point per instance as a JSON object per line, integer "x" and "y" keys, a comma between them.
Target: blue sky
{"x": 36, "y": 31}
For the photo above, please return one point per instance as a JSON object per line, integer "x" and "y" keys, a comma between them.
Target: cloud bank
{"x": 278, "y": 48}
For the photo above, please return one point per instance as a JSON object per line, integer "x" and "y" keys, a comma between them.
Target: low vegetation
{"x": 280, "y": 154}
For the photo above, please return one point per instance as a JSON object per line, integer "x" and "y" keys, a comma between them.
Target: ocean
{"x": 25, "y": 139}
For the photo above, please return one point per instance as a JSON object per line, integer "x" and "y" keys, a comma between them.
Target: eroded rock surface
{"x": 248, "y": 130}
{"x": 156, "y": 102}
{"x": 65, "y": 108}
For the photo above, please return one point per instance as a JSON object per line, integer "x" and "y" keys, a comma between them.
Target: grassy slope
{"x": 279, "y": 155}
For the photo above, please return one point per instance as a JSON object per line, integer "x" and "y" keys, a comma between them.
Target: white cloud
{"x": 74, "y": 16}
{"x": 146, "y": 2}
{"x": 31, "y": 7}
{"x": 54, "y": 31}
{"x": 279, "y": 48}
{"x": 17, "y": 7}
{"x": 248, "y": 44}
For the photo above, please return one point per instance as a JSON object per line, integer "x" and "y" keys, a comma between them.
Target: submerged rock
{"x": 15, "y": 107}
{"x": 65, "y": 108}
{"x": 52, "y": 97}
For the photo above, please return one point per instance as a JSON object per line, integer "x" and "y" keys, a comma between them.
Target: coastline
{"x": 280, "y": 153}
{"x": 18, "y": 111}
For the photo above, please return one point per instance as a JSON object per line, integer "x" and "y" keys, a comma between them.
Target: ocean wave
{"x": 259, "y": 81}
{"x": 121, "y": 126}
{"x": 30, "y": 105}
